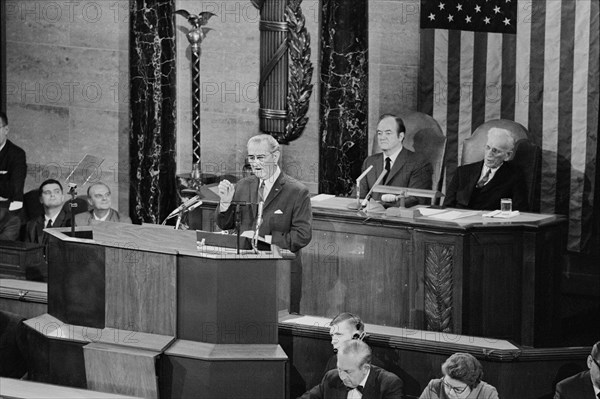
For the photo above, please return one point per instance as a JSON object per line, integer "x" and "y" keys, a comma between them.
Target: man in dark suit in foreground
{"x": 481, "y": 185}
{"x": 585, "y": 385}
{"x": 13, "y": 170}
{"x": 286, "y": 211}
{"x": 405, "y": 168}
{"x": 355, "y": 377}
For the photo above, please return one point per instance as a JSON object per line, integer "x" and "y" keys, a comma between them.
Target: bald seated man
{"x": 100, "y": 202}
{"x": 481, "y": 185}
{"x": 356, "y": 377}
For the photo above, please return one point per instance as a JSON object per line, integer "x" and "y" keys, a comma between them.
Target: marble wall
{"x": 393, "y": 58}
{"x": 229, "y": 91}
{"x": 67, "y": 87}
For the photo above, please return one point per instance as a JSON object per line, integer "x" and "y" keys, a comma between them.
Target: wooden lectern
{"x": 140, "y": 310}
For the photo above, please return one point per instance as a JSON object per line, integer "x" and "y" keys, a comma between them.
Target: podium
{"x": 141, "y": 311}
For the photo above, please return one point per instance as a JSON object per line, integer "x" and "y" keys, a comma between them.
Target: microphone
{"x": 185, "y": 205}
{"x": 194, "y": 206}
{"x": 363, "y": 174}
{"x": 379, "y": 179}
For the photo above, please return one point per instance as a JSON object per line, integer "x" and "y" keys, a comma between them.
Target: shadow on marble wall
{"x": 67, "y": 87}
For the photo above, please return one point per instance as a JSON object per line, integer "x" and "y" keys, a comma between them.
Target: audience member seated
{"x": 461, "y": 380}
{"x": 404, "y": 167}
{"x": 10, "y": 225}
{"x": 344, "y": 327}
{"x": 100, "y": 201}
{"x": 51, "y": 197}
{"x": 481, "y": 185}
{"x": 585, "y": 385}
{"x": 13, "y": 170}
{"x": 355, "y": 377}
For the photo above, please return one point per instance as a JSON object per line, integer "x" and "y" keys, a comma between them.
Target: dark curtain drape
{"x": 152, "y": 139}
{"x": 344, "y": 94}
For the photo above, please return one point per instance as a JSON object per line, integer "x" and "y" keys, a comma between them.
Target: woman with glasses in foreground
{"x": 461, "y": 380}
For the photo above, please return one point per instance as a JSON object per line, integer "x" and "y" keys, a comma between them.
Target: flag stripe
{"x": 479, "y": 65}
{"x": 522, "y": 63}
{"x": 466, "y": 80}
{"x": 507, "y": 106}
{"x": 426, "y": 81}
{"x": 440, "y": 78}
{"x": 536, "y": 73}
{"x": 493, "y": 83}
{"x": 453, "y": 109}
{"x": 550, "y": 105}
{"x": 565, "y": 107}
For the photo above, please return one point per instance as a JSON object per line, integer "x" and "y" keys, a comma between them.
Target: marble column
{"x": 152, "y": 140}
{"x": 344, "y": 94}
{"x": 3, "y": 56}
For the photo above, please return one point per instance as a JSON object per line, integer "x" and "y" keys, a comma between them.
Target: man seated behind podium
{"x": 404, "y": 167}
{"x": 52, "y": 199}
{"x": 355, "y": 377}
{"x": 100, "y": 201}
{"x": 287, "y": 214}
{"x": 481, "y": 185}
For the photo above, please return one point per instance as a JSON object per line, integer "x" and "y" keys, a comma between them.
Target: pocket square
{"x": 3, "y": 172}
{"x": 278, "y": 212}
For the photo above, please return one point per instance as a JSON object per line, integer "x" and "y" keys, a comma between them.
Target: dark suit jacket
{"x": 578, "y": 386}
{"x": 380, "y": 384}
{"x": 35, "y": 227}
{"x": 13, "y": 170}
{"x": 508, "y": 182}
{"x": 287, "y": 214}
{"x": 10, "y": 226}
{"x": 409, "y": 170}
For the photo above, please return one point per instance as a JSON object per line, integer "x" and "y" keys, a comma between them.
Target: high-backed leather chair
{"x": 526, "y": 154}
{"x": 423, "y": 136}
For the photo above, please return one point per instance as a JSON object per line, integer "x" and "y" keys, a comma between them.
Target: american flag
{"x": 532, "y": 61}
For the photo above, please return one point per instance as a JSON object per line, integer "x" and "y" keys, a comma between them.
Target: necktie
{"x": 261, "y": 191}
{"x": 484, "y": 179}
{"x": 388, "y": 166}
{"x": 49, "y": 224}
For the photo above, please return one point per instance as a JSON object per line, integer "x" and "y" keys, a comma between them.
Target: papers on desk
{"x": 499, "y": 214}
{"x": 453, "y": 214}
{"x": 321, "y": 197}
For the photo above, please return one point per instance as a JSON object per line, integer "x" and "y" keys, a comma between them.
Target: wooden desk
{"x": 478, "y": 276}
{"x": 11, "y": 388}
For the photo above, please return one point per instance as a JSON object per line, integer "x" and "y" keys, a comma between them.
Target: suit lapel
{"x": 371, "y": 390}
{"x": 398, "y": 164}
{"x": 378, "y": 168}
{"x": 275, "y": 190}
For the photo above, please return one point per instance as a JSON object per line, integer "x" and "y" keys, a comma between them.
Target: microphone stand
{"x": 238, "y": 225}
{"x": 72, "y": 204}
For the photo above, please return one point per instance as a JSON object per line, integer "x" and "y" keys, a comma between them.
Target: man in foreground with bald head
{"x": 481, "y": 185}
{"x": 355, "y": 377}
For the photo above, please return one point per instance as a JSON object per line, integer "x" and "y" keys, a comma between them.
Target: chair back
{"x": 473, "y": 147}
{"x": 423, "y": 136}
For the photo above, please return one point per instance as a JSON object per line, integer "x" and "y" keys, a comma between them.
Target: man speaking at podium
{"x": 285, "y": 204}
